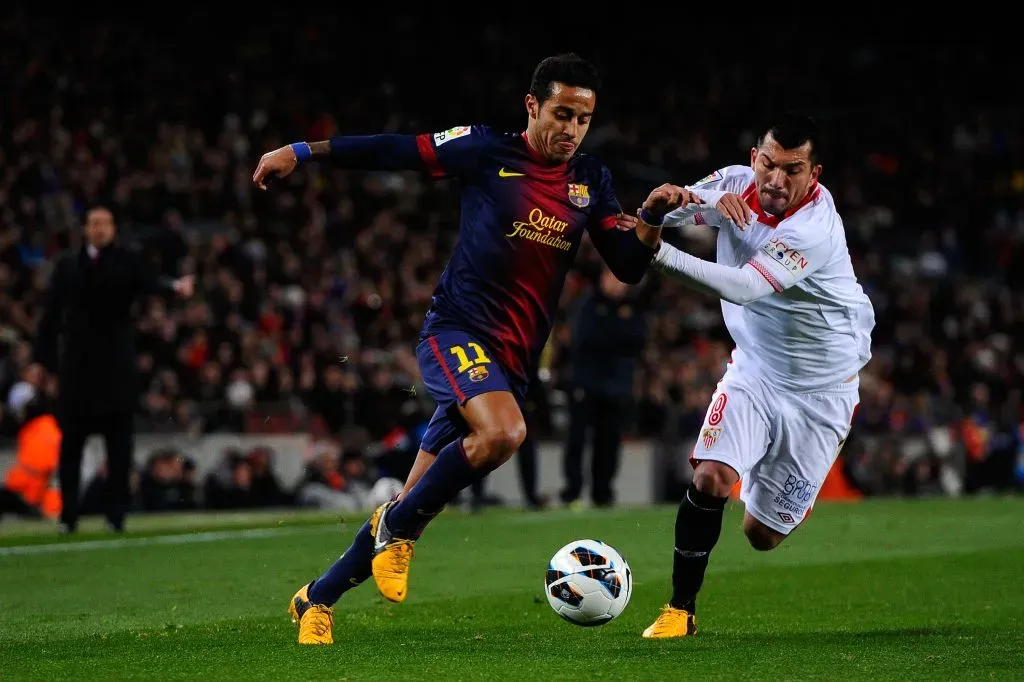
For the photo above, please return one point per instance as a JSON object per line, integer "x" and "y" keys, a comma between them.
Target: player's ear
{"x": 753, "y": 156}
{"x": 815, "y": 172}
{"x": 532, "y": 108}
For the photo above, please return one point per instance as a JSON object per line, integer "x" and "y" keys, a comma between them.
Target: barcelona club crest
{"x": 478, "y": 373}
{"x": 579, "y": 195}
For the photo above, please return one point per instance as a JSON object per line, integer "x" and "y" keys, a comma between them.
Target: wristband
{"x": 650, "y": 219}
{"x": 302, "y": 151}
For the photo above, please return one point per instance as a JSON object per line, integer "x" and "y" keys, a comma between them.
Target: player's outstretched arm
{"x": 452, "y": 152}
{"x": 794, "y": 251}
{"x": 737, "y": 285}
{"x": 369, "y": 152}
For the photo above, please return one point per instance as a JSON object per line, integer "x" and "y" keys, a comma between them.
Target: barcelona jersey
{"x": 522, "y": 224}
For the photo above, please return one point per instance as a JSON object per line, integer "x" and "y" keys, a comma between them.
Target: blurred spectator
{"x": 343, "y": 480}
{"x": 536, "y": 413}
{"x": 266, "y": 489}
{"x": 325, "y": 484}
{"x": 25, "y": 391}
{"x": 609, "y": 331}
{"x": 230, "y": 484}
{"x": 166, "y": 484}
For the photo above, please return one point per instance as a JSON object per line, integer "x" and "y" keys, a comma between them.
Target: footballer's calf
{"x": 718, "y": 479}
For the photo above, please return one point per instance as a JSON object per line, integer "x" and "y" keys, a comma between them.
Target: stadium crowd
{"x": 310, "y": 296}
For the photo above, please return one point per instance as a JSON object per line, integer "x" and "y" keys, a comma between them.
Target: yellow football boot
{"x": 671, "y": 623}
{"x": 316, "y": 621}
{"x": 391, "y": 557}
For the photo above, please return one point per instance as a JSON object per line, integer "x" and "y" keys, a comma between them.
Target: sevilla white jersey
{"x": 814, "y": 332}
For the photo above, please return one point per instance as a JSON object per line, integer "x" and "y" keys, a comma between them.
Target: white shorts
{"x": 782, "y": 444}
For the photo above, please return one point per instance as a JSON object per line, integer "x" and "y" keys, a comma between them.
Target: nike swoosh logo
{"x": 379, "y": 539}
{"x": 509, "y": 174}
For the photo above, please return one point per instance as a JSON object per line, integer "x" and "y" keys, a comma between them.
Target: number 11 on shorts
{"x": 463, "y": 357}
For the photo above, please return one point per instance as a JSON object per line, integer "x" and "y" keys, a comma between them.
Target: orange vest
{"x": 35, "y": 463}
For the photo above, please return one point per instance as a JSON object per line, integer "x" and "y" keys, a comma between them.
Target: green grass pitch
{"x": 893, "y": 590}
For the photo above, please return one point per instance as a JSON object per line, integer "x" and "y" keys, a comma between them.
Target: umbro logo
{"x": 509, "y": 174}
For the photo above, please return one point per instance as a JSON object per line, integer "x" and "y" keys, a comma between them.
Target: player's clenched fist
{"x": 733, "y": 207}
{"x": 668, "y": 198}
{"x": 279, "y": 163}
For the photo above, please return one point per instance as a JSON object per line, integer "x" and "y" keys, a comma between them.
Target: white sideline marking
{"x": 179, "y": 539}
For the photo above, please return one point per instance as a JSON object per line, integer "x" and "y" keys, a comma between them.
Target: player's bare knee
{"x": 499, "y": 442}
{"x": 714, "y": 478}
{"x": 761, "y": 537}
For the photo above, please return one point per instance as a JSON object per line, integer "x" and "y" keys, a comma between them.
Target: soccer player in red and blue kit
{"x": 527, "y": 199}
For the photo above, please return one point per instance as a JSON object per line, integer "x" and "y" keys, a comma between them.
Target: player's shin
{"x": 450, "y": 473}
{"x": 348, "y": 571}
{"x": 698, "y": 527}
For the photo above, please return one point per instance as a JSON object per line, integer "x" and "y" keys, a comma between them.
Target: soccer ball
{"x": 588, "y": 583}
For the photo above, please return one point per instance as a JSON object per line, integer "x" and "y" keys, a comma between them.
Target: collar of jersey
{"x": 544, "y": 167}
{"x": 750, "y": 196}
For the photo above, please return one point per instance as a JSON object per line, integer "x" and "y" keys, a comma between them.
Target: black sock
{"x": 698, "y": 525}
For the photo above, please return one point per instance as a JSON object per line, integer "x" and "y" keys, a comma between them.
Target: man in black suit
{"x": 87, "y": 336}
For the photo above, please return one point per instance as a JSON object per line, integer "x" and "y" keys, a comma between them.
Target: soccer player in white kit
{"x": 802, "y": 328}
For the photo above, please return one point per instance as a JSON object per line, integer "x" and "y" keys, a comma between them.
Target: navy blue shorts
{"x": 456, "y": 367}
